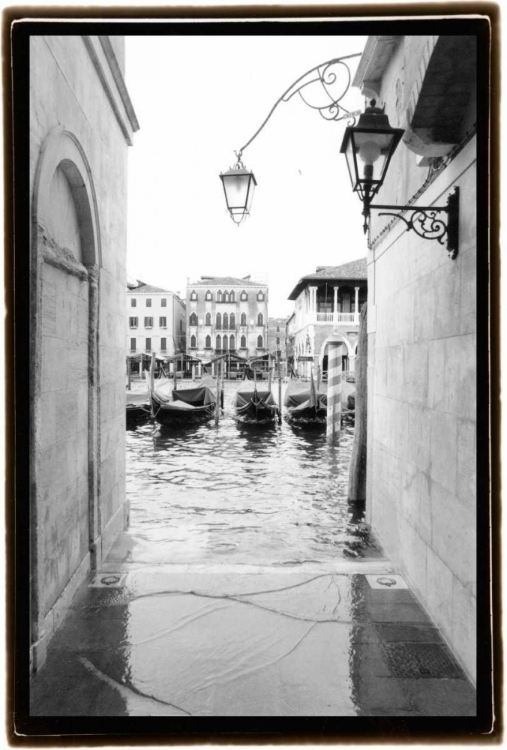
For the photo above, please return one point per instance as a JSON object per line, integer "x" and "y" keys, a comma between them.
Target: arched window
{"x": 232, "y": 322}
{"x": 232, "y": 297}
{"x": 260, "y": 319}
{"x": 208, "y": 342}
{"x": 219, "y": 343}
{"x": 243, "y": 319}
{"x": 219, "y": 321}
{"x": 225, "y": 344}
{"x": 244, "y": 296}
{"x": 260, "y": 342}
{"x": 243, "y": 342}
{"x": 208, "y": 319}
{"x": 226, "y": 296}
{"x": 193, "y": 342}
{"x": 219, "y": 296}
{"x": 209, "y": 296}
{"x": 260, "y": 296}
{"x": 193, "y": 319}
{"x": 226, "y": 321}
{"x": 232, "y": 342}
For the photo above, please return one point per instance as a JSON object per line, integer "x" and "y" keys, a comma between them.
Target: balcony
{"x": 340, "y": 317}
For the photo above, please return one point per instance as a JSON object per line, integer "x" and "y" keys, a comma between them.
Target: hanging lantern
{"x": 239, "y": 185}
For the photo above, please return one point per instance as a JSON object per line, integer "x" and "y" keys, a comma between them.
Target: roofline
{"x": 304, "y": 282}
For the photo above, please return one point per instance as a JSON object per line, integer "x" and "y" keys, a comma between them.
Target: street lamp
{"x": 368, "y": 148}
{"x": 239, "y": 185}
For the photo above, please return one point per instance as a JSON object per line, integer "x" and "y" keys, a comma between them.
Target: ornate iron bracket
{"x": 425, "y": 222}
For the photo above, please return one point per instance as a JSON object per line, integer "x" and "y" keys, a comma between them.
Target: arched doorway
{"x": 64, "y": 440}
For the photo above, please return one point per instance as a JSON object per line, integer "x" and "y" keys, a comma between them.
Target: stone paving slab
{"x": 246, "y": 641}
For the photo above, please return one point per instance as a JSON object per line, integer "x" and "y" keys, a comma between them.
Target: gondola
{"x": 254, "y": 406}
{"x": 137, "y": 408}
{"x": 306, "y": 406}
{"x": 182, "y": 406}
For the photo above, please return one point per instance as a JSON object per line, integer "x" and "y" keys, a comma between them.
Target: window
{"x": 243, "y": 319}
{"x": 193, "y": 319}
{"x": 243, "y": 342}
{"x": 193, "y": 342}
{"x": 208, "y": 319}
{"x": 163, "y": 345}
{"x": 232, "y": 321}
{"x": 148, "y": 345}
{"x": 133, "y": 302}
{"x": 226, "y": 296}
{"x": 226, "y": 321}
{"x": 260, "y": 342}
{"x": 209, "y": 296}
{"x": 232, "y": 342}
{"x": 148, "y": 322}
{"x": 219, "y": 296}
{"x": 193, "y": 295}
{"x": 219, "y": 321}
{"x": 232, "y": 297}
{"x": 260, "y": 319}
{"x": 260, "y": 296}
{"x": 244, "y": 296}
{"x": 225, "y": 346}
{"x": 132, "y": 345}
{"x": 163, "y": 302}
{"x": 148, "y": 302}
{"x": 208, "y": 342}
{"x": 278, "y": 340}
{"x": 162, "y": 322}
{"x": 219, "y": 343}
{"x": 133, "y": 322}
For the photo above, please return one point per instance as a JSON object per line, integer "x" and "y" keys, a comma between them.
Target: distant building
{"x": 327, "y": 302}
{"x": 276, "y": 336}
{"x": 156, "y": 320}
{"x": 226, "y": 314}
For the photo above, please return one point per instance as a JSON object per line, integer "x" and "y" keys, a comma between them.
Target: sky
{"x": 199, "y": 99}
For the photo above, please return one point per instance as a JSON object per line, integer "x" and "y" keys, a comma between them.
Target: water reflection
{"x": 254, "y": 495}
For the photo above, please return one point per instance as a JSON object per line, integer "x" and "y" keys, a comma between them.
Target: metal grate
{"x": 420, "y": 660}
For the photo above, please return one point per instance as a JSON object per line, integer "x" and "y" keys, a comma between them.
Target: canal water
{"x": 242, "y": 495}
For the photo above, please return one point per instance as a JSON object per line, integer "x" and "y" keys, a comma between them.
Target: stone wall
{"x": 80, "y": 125}
{"x": 421, "y": 390}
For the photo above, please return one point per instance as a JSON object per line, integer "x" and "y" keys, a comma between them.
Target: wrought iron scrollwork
{"x": 424, "y": 223}
{"x": 323, "y": 80}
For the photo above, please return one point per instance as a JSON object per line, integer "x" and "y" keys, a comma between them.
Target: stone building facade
{"x": 226, "y": 314}
{"x": 276, "y": 336}
{"x": 327, "y": 303}
{"x": 156, "y": 321}
{"x": 422, "y": 333}
{"x": 81, "y": 124}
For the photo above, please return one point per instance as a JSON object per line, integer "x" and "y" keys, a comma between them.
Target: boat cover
{"x": 299, "y": 394}
{"x": 247, "y": 393}
{"x": 201, "y": 395}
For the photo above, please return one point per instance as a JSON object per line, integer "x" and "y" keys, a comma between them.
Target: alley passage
{"x": 236, "y": 494}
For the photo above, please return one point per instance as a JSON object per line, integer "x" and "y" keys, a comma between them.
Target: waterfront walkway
{"x": 339, "y": 639}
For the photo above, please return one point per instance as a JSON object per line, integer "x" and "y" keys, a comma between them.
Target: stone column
{"x": 334, "y": 387}
{"x": 356, "y": 307}
{"x": 313, "y": 303}
{"x": 335, "y": 307}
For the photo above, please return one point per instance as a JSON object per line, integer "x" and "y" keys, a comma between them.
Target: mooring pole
{"x": 152, "y": 381}
{"x": 175, "y": 373}
{"x": 279, "y": 386}
{"x": 129, "y": 372}
{"x": 217, "y": 406}
{"x": 334, "y": 387}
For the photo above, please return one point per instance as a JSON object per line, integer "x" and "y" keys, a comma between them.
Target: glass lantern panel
{"x": 236, "y": 191}
{"x": 372, "y": 151}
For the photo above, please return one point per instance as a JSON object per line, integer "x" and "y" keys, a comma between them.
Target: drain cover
{"x": 386, "y": 582}
{"x": 420, "y": 660}
{"x": 107, "y": 581}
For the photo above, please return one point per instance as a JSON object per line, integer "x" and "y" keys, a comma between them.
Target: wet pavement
{"x": 246, "y": 585}
{"x": 321, "y": 640}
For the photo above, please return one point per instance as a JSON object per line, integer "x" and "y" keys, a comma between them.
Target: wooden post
{"x": 217, "y": 407}
{"x": 152, "y": 381}
{"x": 279, "y": 386}
{"x": 129, "y": 372}
{"x": 193, "y": 372}
{"x": 357, "y": 471}
{"x": 334, "y": 387}
{"x": 182, "y": 363}
{"x": 175, "y": 373}
{"x": 269, "y": 374}
{"x": 318, "y": 378}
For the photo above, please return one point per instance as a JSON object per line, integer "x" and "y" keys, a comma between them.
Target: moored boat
{"x": 255, "y": 406}
{"x": 178, "y": 407}
{"x": 306, "y": 406}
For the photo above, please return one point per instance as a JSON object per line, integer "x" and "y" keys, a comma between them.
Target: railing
{"x": 324, "y": 317}
{"x": 347, "y": 317}
{"x": 340, "y": 317}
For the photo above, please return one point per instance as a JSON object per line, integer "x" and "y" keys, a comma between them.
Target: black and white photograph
{"x": 252, "y": 382}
